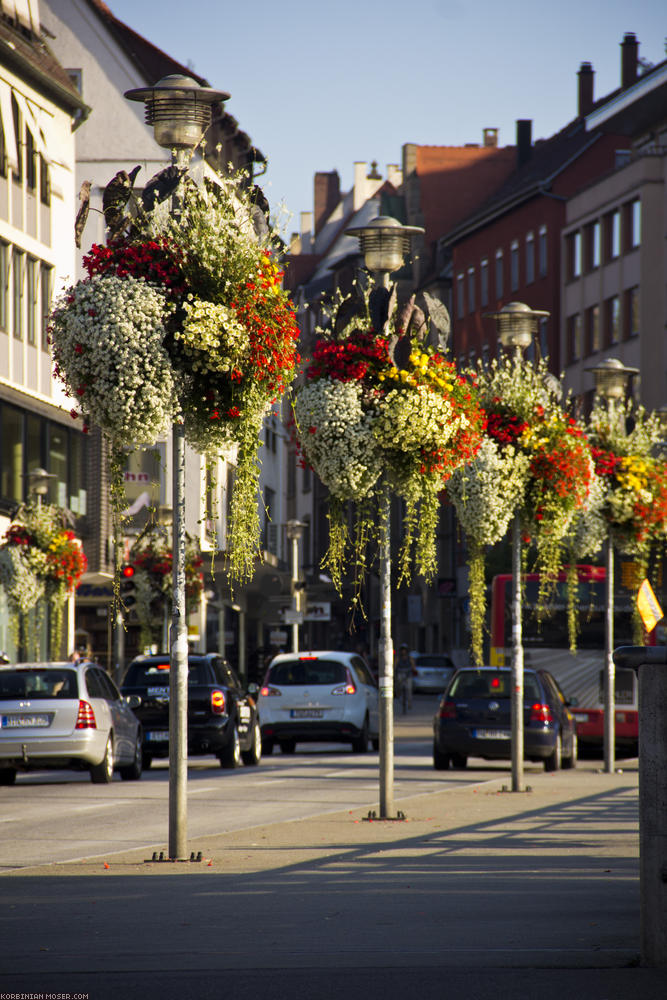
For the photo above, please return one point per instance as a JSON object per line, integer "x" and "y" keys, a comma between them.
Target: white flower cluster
{"x": 18, "y": 579}
{"x": 337, "y": 437}
{"x": 213, "y": 335}
{"x": 107, "y": 337}
{"x": 589, "y": 527}
{"x": 414, "y": 418}
{"x": 487, "y": 491}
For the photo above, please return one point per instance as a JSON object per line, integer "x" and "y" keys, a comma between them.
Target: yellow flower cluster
{"x": 634, "y": 474}
{"x": 422, "y": 372}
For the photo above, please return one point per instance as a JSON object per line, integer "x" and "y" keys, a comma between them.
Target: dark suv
{"x": 222, "y": 718}
{"x": 474, "y": 719}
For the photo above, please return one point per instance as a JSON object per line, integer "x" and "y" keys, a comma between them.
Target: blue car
{"x": 474, "y": 720}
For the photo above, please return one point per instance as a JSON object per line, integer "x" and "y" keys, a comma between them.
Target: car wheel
{"x": 267, "y": 747}
{"x": 146, "y": 761}
{"x": 287, "y": 746}
{"x": 132, "y": 772}
{"x": 553, "y": 763}
{"x": 360, "y": 742}
{"x": 102, "y": 773}
{"x": 571, "y": 761}
{"x": 459, "y": 761}
{"x": 375, "y": 743}
{"x": 440, "y": 760}
{"x": 230, "y": 757}
{"x": 253, "y": 756}
{"x": 7, "y": 776}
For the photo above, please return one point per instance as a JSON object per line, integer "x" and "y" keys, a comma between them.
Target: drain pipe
{"x": 650, "y": 662}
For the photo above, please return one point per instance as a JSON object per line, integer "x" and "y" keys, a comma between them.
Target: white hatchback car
{"x": 318, "y": 697}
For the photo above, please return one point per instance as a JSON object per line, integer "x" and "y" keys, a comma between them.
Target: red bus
{"x": 580, "y": 674}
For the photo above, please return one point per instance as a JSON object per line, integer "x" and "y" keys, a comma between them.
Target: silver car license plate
{"x": 492, "y": 734}
{"x": 157, "y": 736}
{"x": 306, "y": 713}
{"x": 25, "y": 721}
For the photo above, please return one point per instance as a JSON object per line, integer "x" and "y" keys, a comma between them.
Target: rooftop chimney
{"x": 490, "y": 138}
{"x": 327, "y": 196}
{"x": 586, "y": 99}
{"x": 629, "y": 59}
{"x": 524, "y": 141}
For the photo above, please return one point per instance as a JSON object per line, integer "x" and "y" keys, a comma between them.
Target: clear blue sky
{"x": 318, "y": 84}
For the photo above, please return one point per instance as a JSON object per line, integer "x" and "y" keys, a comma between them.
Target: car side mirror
{"x": 253, "y": 689}
{"x": 572, "y": 702}
{"x": 133, "y": 700}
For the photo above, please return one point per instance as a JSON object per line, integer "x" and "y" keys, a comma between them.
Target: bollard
{"x": 651, "y": 662}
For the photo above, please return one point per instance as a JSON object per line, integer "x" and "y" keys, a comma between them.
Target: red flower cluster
{"x": 563, "y": 467}
{"x": 350, "y": 360}
{"x": 16, "y": 534}
{"x": 154, "y": 261}
{"x": 505, "y": 427}
{"x": 68, "y": 562}
{"x": 606, "y": 462}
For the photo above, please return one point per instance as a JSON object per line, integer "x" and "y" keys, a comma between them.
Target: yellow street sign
{"x": 648, "y": 606}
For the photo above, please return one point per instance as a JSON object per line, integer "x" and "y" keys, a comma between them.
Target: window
{"x": 30, "y": 161}
{"x": 46, "y": 279}
{"x": 574, "y": 338}
{"x": 593, "y": 246}
{"x": 499, "y": 274}
{"x": 4, "y": 286}
{"x": 18, "y": 134}
{"x": 270, "y": 540}
{"x": 530, "y": 258}
{"x": 593, "y": 332}
{"x": 544, "y": 337}
{"x": 514, "y": 265}
{"x": 460, "y": 293}
{"x": 471, "y": 289}
{"x": 633, "y": 224}
{"x": 542, "y": 257}
{"x": 307, "y": 479}
{"x": 3, "y": 151}
{"x": 612, "y": 320}
{"x": 31, "y": 276}
{"x": 18, "y": 283}
{"x": 574, "y": 255}
{"x": 484, "y": 282}
{"x": 631, "y": 312}
{"x": 11, "y": 453}
{"x": 613, "y": 235}
{"x": 44, "y": 181}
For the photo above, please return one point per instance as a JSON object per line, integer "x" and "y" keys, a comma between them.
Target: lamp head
{"x": 384, "y": 242}
{"x": 516, "y": 324}
{"x": 178, "y": 108}
{"x": 612, "y": 378}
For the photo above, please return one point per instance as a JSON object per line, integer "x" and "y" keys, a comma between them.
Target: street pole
{"x": 517, "y": 661}
{"x": 386, "y": 651}
{"x": 295, "y": 598}
{"x": 178, "y": 663}
{"x": 610, "y": 667}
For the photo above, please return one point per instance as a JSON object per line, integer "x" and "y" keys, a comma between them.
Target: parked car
{"x": 324, "y": 696}
{"x": 222, "y": 716}
{"x": 474, "y": 719}
{"x": 432, "y": 671}
{"x": 66, "y": 715}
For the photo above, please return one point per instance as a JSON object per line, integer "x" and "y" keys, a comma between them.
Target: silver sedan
{"x": 66, "y": 715}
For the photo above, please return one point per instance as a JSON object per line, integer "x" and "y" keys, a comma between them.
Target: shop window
{"x": 542, "y": 252}
{"x": 530, "y": 259}
{"x": 499, "y": 274}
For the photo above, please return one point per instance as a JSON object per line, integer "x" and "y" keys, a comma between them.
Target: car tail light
{"x": 218, "y": 702}
{"x": 86, "y": 717}
{"x": 270, "y": 692}
{"x": 349, "y": 687}
{"x": 447, "y": 710}
{"x": 540, "y": 713}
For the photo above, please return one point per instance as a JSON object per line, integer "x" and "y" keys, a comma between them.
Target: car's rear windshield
{"x": 484, "y": 684}
{"x": 38, "y": 684}
{"x": 297, "y": 673}
{"x": 433, "y": 660}
{"x": 157, "y": 674}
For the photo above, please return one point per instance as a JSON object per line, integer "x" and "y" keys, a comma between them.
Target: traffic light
{"x": 127, "y": 585}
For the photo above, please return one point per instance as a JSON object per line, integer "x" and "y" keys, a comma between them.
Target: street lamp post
{"x": 38, "y": 483}
{"x": 180, "y": 111}
{"x": 611, "y": 382}
{"x": 516, "y": 324}
{"x": 294, "y": 532}
{"x": 384, "y": 243}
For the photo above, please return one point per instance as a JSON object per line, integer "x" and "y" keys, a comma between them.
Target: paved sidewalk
{"x": 480, "y": 892}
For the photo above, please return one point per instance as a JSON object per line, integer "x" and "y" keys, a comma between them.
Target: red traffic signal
{"x": 127, "y": 585}
{"x": 127, "y": 571}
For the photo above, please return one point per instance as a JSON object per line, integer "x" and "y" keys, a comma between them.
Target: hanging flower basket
{"x": 183, "y": 317}
{"x": 40, "y": 558}
{"x": 366, "y": 425}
